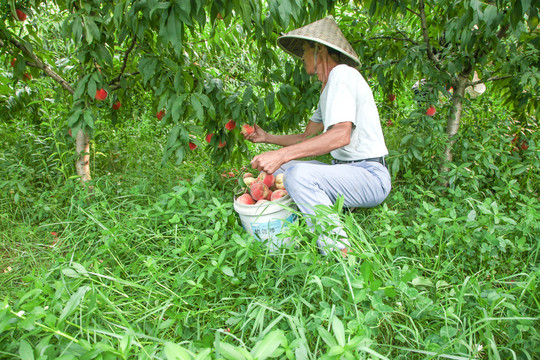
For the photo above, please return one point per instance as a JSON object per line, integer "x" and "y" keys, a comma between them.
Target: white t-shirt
{"x": 348, "y": 98}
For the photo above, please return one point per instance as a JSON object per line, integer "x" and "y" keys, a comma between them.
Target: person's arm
{"x": 260, "y": 136}
{"x": 337, "y": 136}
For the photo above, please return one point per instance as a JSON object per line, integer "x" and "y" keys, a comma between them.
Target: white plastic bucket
{"x": 266, "y": 220}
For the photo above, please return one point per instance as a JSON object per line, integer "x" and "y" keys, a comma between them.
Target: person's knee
{"x": 297, "y": 176}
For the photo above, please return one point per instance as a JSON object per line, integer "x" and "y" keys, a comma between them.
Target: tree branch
{"x": 491, "y": 79}
{"x": 425, "y": 34}
{"x": 407, "y": 8}
{"x": 389, "y": 38}
{"x": 38, "y": 63}
{"x": 126, "y": 56}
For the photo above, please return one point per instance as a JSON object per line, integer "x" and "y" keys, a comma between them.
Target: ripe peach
{"x": 248, "y": 174}
{"x": 209, "y": 137}
{"x": 192, "y": 146}
{"x": 279, "y": 181}
{"x": 101, "y": 94}
{"x": 116, "y": 105}
{"x": 230, "y": 125}
{"x": 160, "y": 115}
{"x": 20, "y": 15}
{"x": 431, "y": 111}
{"x": 269, "y": 196}
{"x": 245, "y": 199}
{"x": 261, "y": 201}
{"x": 278, "y": 194}
{"x": 267, "y": 180}
{"x": 258, "y": 190}
{"x": 249, "y": 180}
{"x": 247, "y": 129}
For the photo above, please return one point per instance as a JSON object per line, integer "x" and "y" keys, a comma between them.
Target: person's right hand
{"x": 257, "y": 136}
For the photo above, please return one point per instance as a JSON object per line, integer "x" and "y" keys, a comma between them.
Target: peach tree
{"x": 198, "y": 64}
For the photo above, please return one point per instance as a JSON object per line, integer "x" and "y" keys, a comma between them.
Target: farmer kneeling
{"x": 345, "y": 124}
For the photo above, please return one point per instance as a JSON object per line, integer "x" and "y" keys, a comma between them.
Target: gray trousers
{"x": 310, "y": 183}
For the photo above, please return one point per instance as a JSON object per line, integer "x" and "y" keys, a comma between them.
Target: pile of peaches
{"x": 262, "y": 188}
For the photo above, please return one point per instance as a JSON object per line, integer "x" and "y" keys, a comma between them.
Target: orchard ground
{"x": 154, "y": 262}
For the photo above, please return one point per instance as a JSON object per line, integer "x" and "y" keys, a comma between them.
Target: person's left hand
{"x": 268, "y": 162}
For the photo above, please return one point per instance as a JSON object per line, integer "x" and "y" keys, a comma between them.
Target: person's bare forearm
{"x": 319, "y": 145}
{"x": 338, "y": 136}
{"x": 285, "y": 140}
{"x": 312, "y": 129}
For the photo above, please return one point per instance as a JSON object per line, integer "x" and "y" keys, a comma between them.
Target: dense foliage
{"x": 151, "y": 260}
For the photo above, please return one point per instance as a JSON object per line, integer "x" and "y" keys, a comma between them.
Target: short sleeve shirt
{"x": 348, "y": 98}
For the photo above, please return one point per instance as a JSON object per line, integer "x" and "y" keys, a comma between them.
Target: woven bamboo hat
{"x": 324, "y": 31}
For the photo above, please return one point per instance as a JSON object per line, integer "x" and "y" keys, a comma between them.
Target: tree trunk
{"x": 454, "y": 117}
{"x": 83, "y": 150}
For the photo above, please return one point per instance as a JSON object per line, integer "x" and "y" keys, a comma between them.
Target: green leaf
{"x": 266, "y": 347}
{"x": 247, "y": 95}
{"x": 89, "y": 119}
{"x": 176, "y": 352}
{"x": 25, "y": 351}
{"x": 185, "y": 12}
{"x": 227, "y": 271}
{"x": 178, "y": 107}
{"x": 71, "y": 273}
{"x": 92, "y": 87}
{"x": 173, "y": 136}
{"x": 74, "y": 118}
{"x": 421, "y": 281}
{"x": 73, "y": 302}
{"x": 230, "y": 352}
{"x": 147, "y": 67}
{"x": 92, "y": 31}
{"x": 365, "y": 269}
{"x": 81, "y": 86}
{"x": 285, "y": 12}
{"x": 172, "y": 32}
{"x": 159, "y": 6}
{"x": 339, "y": 331}
{"x": 197, "y": 107}
{"x": 327, "y": 337}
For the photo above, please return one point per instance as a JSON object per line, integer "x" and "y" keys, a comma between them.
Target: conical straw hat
{"x": 324, "y": 31}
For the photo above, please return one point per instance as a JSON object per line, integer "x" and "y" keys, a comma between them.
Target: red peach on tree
{"x": 160, "y": 114}
{"x": 101, "y": 94}
{"x": 230, "y": 125}
{"x": 20, "y": 15}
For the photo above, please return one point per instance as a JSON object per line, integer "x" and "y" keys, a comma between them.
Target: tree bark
{"x": 82, "y": 141}
{"x": 83, "y": 150}
{"x": 454, "y": 117}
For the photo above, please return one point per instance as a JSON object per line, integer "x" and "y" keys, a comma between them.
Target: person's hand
{"x": 269, "y": 161}
{"x": 257, "y": 136}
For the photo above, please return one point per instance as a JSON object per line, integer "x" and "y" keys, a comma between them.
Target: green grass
{"x": 154, "y": 264}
